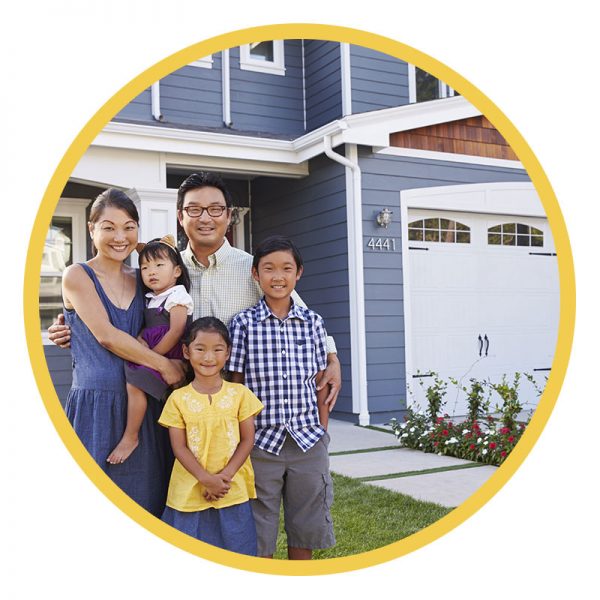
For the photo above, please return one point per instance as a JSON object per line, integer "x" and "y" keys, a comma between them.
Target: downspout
{"x": 226, "y": 87}
{"x": 358, "y": 337}
{"x": 155, "y": 96}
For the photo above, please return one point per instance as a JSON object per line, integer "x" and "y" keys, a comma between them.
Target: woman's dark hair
{"x": 116, "y": 199}
{"x": 201, "y": 180}
{"x": 276, "y": 243}
{"x": 207, "y": 324}
{"x": 156, "y": 249}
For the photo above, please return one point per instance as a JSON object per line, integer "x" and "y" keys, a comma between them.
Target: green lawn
{"x": 367, "y": 517}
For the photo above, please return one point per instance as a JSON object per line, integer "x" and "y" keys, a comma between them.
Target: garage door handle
{"x": 487, "y": 343}
{"x": 480, "y": 344}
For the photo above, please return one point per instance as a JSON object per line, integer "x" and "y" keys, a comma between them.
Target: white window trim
{"x": 205, "y": 63}
{"x": 73, "y": 208}
{"x": 277, "y": 67}
{"x": 445, "y": 90}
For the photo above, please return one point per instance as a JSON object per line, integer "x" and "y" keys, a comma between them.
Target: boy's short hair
{"x": 276, "y": 243}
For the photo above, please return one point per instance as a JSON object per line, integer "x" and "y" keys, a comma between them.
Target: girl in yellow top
{"x": 211, "y": 427}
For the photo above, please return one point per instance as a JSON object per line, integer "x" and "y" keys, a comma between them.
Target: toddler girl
{"x": 211, "y": 427}
{"x": 168, "y": 309}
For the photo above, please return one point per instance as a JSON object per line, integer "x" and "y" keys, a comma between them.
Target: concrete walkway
{"x": 374, "y": 457}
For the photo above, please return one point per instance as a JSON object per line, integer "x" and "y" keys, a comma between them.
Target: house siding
{"x": 383, "y": 178}
{"x": 61, "y": 370}
{"x": 378, "y": 80}
{"x": 265, "y": 102}
{"x": 323, "y": 83}
{"x": 192, "y": 96}
{"x": 312, "y": 212}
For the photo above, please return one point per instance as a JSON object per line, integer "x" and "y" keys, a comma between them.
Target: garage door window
{"x": 439, "y": 230}
{"x": 515, "y": 234}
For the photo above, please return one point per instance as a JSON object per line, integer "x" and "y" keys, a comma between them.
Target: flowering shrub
{"x": 489, "y": 443}
{"x": 479, "y": 437}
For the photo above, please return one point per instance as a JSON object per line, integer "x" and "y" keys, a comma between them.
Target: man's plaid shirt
{"x": 280, "y": 360}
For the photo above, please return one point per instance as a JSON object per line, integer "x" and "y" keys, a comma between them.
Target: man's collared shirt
{"x": 226, "y": 286}
{"x": 280, "y": 360}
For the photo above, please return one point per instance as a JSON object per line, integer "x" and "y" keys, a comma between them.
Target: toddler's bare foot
{"x": 123, "y": 450}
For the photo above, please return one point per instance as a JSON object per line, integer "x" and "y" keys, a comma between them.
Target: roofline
{"x": 369, "y": 129}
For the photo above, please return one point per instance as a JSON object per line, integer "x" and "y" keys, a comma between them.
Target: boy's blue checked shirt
{"x": 280, "y": 359}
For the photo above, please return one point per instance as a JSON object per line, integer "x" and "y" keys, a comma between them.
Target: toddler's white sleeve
{"x": 180, "y": 297}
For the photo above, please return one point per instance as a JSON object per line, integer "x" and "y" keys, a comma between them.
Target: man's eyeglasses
{"x": 196, "y": 211}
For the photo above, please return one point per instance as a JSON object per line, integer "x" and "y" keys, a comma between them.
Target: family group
{"x": 202, "y": 384}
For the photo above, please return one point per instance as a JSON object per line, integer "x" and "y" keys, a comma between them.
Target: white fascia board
{"x": 187, "y": 141}
{"x": 413, "y": 116}
{"x": 449, "y": 157}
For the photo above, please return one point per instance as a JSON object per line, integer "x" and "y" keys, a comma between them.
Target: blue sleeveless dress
{"x": 97, "y": 407}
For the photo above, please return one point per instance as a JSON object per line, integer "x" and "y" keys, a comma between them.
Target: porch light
{"x": 384, "y": 218}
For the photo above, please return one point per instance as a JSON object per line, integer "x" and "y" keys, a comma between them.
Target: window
{"x": 515, "y": 234}
{"x": 205, "y": 62}
{"x": 264, "y": 57}
{"x": 439, "y": 230}
{"x": 64, "y": 245}
{"x": 423, "y": 86}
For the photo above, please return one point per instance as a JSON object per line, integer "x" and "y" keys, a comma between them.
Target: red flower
{"x": 445, "y": 432}
{"x": 492, "y": 445}
{"x": 504, "y": 430}
{"x": 435, "y": 443}
{"x": 511, "y": 439}
{"x": 468, "y": 435}
{"x": 472, "y": 447}
{"x": 440, "y": 419}
{"x": 503, "y": 453}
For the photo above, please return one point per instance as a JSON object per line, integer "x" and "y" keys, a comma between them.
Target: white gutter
{"x": 226, "y": 87}
{"x": 155, "y": 94}
{"x": 358, "y": 336}
{"x": 346, "y": 79}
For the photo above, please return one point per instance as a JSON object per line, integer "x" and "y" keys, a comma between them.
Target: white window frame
{"x": 444, "y": 89}
{"x": 205, "y": 63}
{"x": 75, "y": 209}
{"x": 276, "y": 67}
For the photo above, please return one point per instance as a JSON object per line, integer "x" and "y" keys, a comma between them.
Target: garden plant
{"x": 480, "y": 436}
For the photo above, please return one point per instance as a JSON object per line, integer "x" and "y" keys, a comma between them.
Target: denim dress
{"x": 97, "y": 407}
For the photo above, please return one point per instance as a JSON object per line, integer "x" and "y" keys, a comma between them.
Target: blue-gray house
{"x": 426, "y": 247}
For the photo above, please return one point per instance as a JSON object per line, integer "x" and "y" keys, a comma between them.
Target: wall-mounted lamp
{"x": 235, "y": 216}
{"x": 384, "y": 218}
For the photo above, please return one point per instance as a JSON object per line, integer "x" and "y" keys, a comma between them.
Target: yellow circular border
{"x": 337, "y": 34}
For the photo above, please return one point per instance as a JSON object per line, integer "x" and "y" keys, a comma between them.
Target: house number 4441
{"x": 382, "y": 244}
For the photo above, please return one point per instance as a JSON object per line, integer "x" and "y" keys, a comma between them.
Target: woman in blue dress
{"x": 104, "y": 307}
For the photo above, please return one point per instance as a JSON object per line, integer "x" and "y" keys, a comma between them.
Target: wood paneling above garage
{"x": 474, "y": 136}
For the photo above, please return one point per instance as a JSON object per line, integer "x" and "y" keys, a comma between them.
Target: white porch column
{"x": 158, "y": 212}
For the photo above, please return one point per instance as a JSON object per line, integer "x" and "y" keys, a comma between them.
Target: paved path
{"x": 374, "y": 457}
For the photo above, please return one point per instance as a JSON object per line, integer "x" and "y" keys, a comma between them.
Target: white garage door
{"x": 484, "y": 299}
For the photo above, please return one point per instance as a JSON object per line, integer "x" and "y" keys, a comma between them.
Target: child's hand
{"x": 216, "y": 487}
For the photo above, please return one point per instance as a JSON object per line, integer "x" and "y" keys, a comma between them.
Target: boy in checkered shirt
{"x": 279, "y": 352}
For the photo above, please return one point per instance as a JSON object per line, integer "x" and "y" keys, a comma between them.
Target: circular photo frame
{"x": 261, "y": 60}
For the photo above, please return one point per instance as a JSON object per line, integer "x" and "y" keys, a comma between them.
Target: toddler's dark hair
{"x": 276, "y": 243}
{"x": 156, "y": 249}
{"x": 207, "y": 324}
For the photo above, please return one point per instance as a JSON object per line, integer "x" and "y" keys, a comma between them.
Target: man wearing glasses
{"x": 221, "y": 275}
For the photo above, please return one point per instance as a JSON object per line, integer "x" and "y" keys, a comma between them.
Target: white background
{"x": 61, "y": 60}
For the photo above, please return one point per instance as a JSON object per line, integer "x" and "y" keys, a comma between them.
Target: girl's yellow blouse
{"x": 213, "y": 433}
